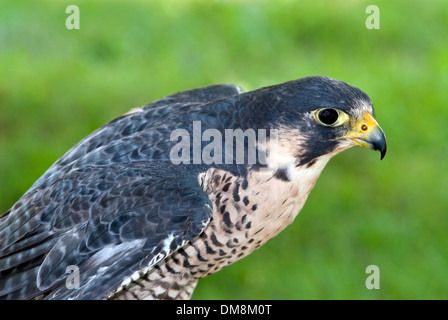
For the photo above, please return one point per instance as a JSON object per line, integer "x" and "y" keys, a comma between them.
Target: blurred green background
{"x": 58, "y": 85}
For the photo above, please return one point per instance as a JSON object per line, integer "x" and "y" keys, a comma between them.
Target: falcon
{"x": 117, "y": 218}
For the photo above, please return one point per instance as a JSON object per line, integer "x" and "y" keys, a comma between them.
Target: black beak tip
{"x": 379, "y": 143}
{"x": 381, "y": 147}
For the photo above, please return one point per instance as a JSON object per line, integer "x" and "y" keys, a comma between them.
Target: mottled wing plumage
{"x": 109, "y": 225}
{"x": 113, "y": 205}
{"x": 162, "y": 115}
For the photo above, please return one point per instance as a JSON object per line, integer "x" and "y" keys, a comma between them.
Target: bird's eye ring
{"x": 330, "y": 117}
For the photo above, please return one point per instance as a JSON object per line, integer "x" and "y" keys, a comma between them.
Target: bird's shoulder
{"x": 149, "y": 126}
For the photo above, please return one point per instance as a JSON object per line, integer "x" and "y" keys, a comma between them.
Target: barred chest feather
{"x": 249, "y": 213}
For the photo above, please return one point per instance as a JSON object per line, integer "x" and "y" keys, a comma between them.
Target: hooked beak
{"x": 368, "y": 134}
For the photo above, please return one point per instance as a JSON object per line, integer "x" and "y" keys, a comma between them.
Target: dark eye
{"x": 328, "y": 116}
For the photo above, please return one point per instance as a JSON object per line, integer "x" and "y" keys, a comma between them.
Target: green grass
{"x": 58, "y": 85}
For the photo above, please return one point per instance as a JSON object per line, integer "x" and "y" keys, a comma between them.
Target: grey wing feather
{"x": 144, "y": 212}
{"x": 114, "y": 188}
{"x": 152, "y": 115}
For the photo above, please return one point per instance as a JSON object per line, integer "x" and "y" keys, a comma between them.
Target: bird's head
{"x": 318, "y": 117}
